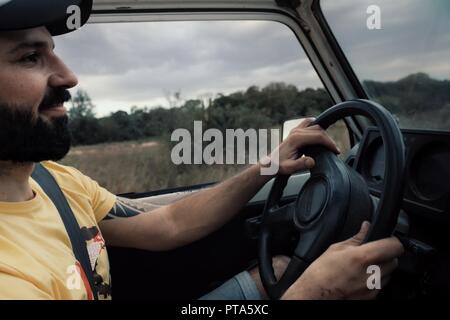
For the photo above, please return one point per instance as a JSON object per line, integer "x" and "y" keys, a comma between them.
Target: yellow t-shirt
{"x": 36, "y": 257}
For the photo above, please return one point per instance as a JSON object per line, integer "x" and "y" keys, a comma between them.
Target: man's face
{"x": 33, "y": 89}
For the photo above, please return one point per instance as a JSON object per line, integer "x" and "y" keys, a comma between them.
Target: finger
{"x": 383, "y": 250}
{"x": 358, "y": 238}
{"x": 314, "y": 127}
{"x": 304, "y": 163}
{"x": 302, "y": 130}
{"x": 290, "y": 166}
{"x": 306, "y": 122}
{"x": 314, "y": 138}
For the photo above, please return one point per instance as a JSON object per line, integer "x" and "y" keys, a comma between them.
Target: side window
{"x": 400, "y": 52}
{"x": 141, "y": 84}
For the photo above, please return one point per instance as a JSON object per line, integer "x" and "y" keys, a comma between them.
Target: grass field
{"x": 141, "y": 166}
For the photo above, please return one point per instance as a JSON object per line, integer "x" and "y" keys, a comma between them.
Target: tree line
{"x": 253, "y": 108}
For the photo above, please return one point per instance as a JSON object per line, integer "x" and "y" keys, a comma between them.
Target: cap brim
{"x": 26, "y": 14}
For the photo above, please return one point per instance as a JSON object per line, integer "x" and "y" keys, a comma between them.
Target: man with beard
{"x": 37, "y": 260}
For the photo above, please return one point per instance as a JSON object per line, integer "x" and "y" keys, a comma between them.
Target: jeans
{"x": 240, "y": 287}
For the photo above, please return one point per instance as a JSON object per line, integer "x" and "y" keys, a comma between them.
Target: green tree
{"x": 83, "y": 125}
{"x": 81, "y": 105}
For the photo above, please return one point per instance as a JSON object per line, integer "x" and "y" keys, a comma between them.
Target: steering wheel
{"x": 335, "y": 200}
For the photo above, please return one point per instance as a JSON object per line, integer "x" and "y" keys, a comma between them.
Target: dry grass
{"x": 339, "y": 133}
{"x": 142, "y": 166}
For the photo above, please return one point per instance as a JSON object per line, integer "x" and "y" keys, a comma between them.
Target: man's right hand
{"x": 341, "y": 271}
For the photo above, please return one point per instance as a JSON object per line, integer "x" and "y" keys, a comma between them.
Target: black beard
{"x": 25, "y": 137}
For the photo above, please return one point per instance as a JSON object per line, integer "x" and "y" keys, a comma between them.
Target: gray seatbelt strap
{"x": 48, "y": 183}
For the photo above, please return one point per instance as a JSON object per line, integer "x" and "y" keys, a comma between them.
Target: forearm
{"x": 199, "y": 215}
{"x": 194, "y": 217}
{"x": 130, "y": 224}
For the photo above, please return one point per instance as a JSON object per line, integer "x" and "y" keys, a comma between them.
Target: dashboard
{"x": 427, "y": 183}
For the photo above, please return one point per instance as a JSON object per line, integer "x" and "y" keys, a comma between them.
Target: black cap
{"x": 53, "y": 14}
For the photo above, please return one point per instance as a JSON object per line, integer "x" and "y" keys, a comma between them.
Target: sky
{"x": 414, "y": 37}
{"x": 122, "y": 65}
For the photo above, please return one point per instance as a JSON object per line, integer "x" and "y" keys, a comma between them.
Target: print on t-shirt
{"x": 95, "y": 247}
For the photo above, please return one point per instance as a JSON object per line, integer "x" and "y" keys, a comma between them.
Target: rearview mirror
{"x": 289, "y": 125}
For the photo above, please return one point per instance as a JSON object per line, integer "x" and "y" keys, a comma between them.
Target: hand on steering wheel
{"x": 335, "y": 200}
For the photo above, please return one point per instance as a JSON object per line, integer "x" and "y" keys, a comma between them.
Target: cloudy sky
{"x": 414, "y": 37}
{"x": 126, "y": 64}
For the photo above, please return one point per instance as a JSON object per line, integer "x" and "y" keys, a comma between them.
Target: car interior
{"x": 396, "y": 177}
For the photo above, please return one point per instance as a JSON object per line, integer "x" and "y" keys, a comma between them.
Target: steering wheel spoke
{"x": 283, "y": 215}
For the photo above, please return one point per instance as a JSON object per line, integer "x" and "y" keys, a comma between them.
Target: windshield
{"x": 400, "y": 51}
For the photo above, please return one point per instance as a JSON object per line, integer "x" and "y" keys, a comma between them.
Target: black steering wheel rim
{"x": 386, "y": 214}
